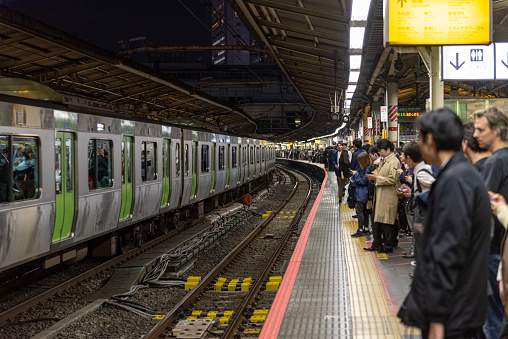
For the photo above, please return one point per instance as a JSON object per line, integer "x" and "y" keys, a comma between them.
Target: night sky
{"x": 105, "y": 22}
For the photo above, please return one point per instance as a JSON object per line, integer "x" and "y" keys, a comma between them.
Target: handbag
{"x": 351, "y": 197}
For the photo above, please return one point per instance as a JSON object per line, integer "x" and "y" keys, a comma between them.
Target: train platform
{"x": 332, "y": 287}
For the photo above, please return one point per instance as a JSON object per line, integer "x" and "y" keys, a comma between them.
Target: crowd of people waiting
{"x": 448, "y": 191}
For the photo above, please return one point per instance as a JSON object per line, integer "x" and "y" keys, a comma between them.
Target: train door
{"x": 228, "y": 164}
{"x": 64, "y": 185}
{"x": 212, "y": 185}
{"x": 194, "y": 170}
{"x": 126, "y": 209}
{"x": 166, "y": 172}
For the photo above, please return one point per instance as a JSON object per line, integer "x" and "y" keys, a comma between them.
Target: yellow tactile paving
{"x": 371, "y": 314}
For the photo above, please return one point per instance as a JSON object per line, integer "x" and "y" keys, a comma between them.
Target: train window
{"x": 205, "y": 158}
{"x": 58, "y": 166}
{"x": 100, "y": 163}
{"x": 148, "y": 161}
{"x": 221, "y": 158}
{"x": 186, "y": 160}
{"x": 251, "y": 155}
{"x": 167, "y": 156}
{"x": 68, "y": 153}
{"x": 257, "y": 155}
{"x": 19, "y": 172}
{"x": 177, "y": 159}
{"x": 234, "y": 160}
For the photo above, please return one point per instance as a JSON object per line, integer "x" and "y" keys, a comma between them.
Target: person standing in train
{"x": 448, "y": 297}
{"x": 491, "y": 131}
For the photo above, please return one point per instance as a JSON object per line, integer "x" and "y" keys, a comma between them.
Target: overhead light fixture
{"x": 356, "y": 37}
{"x": 349, "y": 95}
{"x": 353, "y": 76}
{"x": 355, "y": 61}
{"x": 351, "y": 88}
{"x": 360, "y": 10}
{"x": 348, "y": 103}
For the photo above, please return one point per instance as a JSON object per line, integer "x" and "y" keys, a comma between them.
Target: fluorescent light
{"x": 355, "y": 61}
{"x": 351, "y": 88}
{"x": 353, "y": 76}
{"x": 348, "y": 103}
{"x": 360, "y": 10}
{"x": 356, "y": 37}
{"x": 349, "y": 95}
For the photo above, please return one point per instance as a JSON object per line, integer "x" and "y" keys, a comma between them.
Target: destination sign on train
{"x": 437, "y": 22}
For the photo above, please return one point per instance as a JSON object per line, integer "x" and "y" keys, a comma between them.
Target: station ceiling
{"x": 33, "y": 50}
{"x": 309, "y": 39}
{"x": 306, "y": 37}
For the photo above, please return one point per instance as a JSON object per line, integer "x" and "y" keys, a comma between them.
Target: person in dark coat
{"x": 357, "y": 146}
{"x": 448, "y": 297}
{"x": 362, "y": 194}
{"x": 341, "y": 164}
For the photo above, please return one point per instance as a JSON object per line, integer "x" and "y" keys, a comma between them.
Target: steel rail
{"x": 169, "y": 318}
{"x": 238, "y": 316}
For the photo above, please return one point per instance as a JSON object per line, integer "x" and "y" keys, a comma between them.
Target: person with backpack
{"x": 361, "y": 194}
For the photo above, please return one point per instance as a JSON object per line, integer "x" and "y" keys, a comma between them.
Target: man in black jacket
{"x": 448, "y": 297}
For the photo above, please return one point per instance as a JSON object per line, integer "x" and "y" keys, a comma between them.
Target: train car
{"x": 69, "y": 177}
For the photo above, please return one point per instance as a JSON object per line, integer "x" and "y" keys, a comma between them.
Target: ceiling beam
{"x": 303, "y": 31}
{"x": 301, "y": 10}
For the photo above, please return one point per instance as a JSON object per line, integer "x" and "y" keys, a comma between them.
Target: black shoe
{"x": 355, "y": 216}
{"x": 371, "y": 249}
{"x": 357, "y": 234}
{"x": 385, "y": 250}
{"x": 408, "y": 255}
{"x": 366, "y": 232}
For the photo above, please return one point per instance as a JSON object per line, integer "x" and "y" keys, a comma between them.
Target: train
{"x": 74, "y": 180}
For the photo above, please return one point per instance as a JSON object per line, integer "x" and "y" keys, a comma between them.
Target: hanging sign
{"x": 369, "y": 122}
{"x": 384, "y": 114}
{"x": 437, "y": 22}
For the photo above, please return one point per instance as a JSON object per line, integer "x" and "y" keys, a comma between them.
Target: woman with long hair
{"x": 343, "y": 176}
{"x": 362, "y": 193}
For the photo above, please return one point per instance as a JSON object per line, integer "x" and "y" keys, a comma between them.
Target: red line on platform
{"x": 273, "y": 322}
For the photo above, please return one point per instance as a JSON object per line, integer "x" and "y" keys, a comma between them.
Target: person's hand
{"x": 409, "y": 179}
{"x": 341, "y": 175}
{"x": 399, "y": 171}
{"x": 371, "y": 176}
{"x": 436, "y": 331}
{"x": 336, "y": 166}
{"x": 353, "y": 172}
{"x": 496, "y": 201}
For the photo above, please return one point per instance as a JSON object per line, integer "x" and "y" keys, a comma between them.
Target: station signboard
{"x": 475, "y": 62}
{"x": 384, "y": 113}
{"x": 437, "y": 22}
{"x": 369, "y": 122}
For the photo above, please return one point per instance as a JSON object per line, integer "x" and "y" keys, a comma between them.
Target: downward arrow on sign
{"x": 457, "y": 66}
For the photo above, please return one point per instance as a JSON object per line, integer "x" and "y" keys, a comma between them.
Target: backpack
{"x": 351, "y": 197}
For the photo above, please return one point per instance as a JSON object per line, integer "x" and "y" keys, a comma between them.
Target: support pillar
{"x": 376, "y": 118}
{"x": 436, "y": 84}
{"x": 392, "y": 101}
{"x": 366, "y": 130}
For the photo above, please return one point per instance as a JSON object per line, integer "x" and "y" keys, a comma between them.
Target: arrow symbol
{"x": 401, "y": 3}
{"x": 504, "y": 62}
{"x": 457, "y": 66}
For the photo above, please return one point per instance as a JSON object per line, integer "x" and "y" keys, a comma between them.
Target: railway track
{"x": 245, "y": 272}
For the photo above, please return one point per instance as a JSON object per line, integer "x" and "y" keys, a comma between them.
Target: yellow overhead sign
{"x": 437, "y": 22}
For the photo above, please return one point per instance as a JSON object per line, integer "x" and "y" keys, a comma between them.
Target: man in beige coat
{"x": 386, "y": 200}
